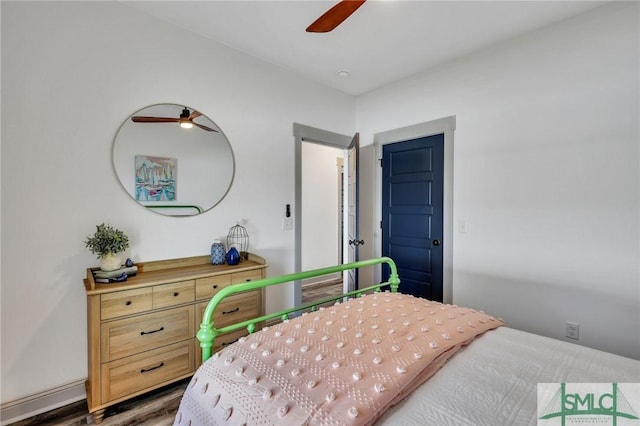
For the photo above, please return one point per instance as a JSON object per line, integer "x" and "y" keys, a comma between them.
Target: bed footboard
{"x": 208, "y": 331}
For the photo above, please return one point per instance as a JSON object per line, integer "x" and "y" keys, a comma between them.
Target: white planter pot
{"x": 111, "y": 261}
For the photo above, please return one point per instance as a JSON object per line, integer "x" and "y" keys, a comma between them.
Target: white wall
{"x": 546, "y": 174}
{"x": 320, "y": 215}
{"x": 71, "y": 73}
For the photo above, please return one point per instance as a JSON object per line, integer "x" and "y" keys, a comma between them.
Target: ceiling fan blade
{"x": 334, "y": 16}
{"x": 143, "y": 119}
{"x": 209, "y": 129}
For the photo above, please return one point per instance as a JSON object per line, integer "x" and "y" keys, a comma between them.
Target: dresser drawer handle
{"x": 146, "y": 370}
{"x": 231, "y": 311}
{"x": 248, "y": 280}
{"x": 230, "y": 343}
{"x": 176, "y": 294}
{"x": 128, "y": 302}
{"x": 142, "y": 333}
{"x": 215, "y": 286}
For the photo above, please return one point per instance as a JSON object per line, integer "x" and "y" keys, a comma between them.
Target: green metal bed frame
{"x": 208, "y": 331}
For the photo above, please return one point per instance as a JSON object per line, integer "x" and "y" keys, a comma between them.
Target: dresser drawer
{"x": 173, "y": 294}
{"x": 207, "y": 287}
{"x": 121, "y": 338}
{"x": 136, "y": 373}
{"x": 233, "y": 309}
{"x": 120, "y": 303}
{"x": 237, "y": 308}
{"x": 225, "y": 340}
{"x": 246, "y": 276}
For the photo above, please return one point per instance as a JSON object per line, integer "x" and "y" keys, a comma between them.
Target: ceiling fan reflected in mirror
{"x": 185, "y": 120}
{"x": 334, "y": 16}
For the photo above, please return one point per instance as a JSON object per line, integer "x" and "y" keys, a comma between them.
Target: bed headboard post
{"x": 394, "y": 280}
{"x": 206, "y": 336}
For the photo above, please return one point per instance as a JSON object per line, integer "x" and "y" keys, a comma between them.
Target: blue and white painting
{"x": 155, "y": 178}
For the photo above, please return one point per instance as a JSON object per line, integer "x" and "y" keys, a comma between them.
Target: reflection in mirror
{"x": 173, "y": 160}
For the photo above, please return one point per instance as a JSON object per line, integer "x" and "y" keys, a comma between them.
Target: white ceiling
{"x": 381, "y": 42}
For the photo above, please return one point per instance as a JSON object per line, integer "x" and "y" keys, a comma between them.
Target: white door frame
{"x": 446, "y": 125}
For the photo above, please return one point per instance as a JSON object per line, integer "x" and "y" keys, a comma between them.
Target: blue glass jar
{"x": 233, "y": 257}
{"x": 217, "y": 253}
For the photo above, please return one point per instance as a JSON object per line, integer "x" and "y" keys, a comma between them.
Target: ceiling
{"x": 383, "y": 41}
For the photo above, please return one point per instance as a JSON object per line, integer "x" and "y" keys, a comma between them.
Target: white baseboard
{"x": 23, "y": 408}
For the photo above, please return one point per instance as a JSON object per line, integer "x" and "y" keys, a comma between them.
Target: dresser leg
{"x": 98, "y": 416}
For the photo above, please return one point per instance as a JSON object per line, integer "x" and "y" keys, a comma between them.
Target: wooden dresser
{"x": 141, "y": 333}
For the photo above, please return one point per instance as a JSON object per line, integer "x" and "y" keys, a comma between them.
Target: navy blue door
{"x": 412, "y": 212}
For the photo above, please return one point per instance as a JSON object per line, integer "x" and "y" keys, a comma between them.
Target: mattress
{"x": 493, "y": 380}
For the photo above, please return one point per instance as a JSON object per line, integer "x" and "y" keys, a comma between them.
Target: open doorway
{"x": 306, "y": 135}
{"x": 322, "y": 217}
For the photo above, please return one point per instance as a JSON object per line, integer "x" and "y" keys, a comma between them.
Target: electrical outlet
{"x": 573, "y": 330}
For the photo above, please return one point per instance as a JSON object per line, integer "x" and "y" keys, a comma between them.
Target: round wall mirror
{"x": 173, "y": 160}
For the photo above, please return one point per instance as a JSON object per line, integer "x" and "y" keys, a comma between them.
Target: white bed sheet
{"x": 493, "y": 381}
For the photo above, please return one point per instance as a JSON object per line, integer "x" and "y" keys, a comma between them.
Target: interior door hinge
{"x": 380, "y": 160}
{"x": 380, "y": 224}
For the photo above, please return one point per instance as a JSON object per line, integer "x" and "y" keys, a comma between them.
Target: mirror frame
{"x": 167, "y": 160}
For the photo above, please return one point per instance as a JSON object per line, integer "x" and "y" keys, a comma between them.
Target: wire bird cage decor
{"x": 239, "y": 239}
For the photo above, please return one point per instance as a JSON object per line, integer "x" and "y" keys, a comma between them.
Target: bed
{"x": 384, "y": 358}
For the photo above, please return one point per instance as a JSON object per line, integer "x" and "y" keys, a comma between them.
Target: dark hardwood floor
{"x": 156, "y": 408}
{"x": 316, "y": 291}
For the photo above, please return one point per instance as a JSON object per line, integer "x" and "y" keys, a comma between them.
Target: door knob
{"x": 356, "y": 242}
{"x": 436, "y": 242}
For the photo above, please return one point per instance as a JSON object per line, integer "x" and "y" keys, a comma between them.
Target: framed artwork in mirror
{"x": 155, "y": 178}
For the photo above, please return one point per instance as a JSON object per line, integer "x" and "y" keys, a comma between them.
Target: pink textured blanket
{"x": 343, "y": 365}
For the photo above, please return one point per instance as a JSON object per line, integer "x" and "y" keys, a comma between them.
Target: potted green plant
{"x": 108, "y": 243}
